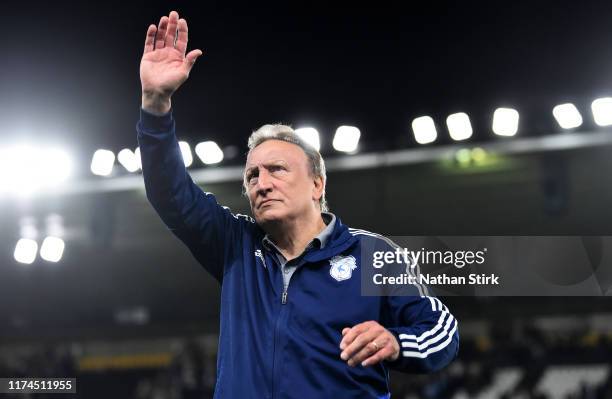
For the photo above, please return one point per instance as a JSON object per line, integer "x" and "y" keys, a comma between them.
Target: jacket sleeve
{"x": 192, "y": 215}
{"x": 427, "y": 332}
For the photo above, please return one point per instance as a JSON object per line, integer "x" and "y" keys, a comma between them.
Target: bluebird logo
{"x": 342, "y": 267}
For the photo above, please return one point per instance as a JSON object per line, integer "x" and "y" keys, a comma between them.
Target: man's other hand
{"x": 368, "y": 343}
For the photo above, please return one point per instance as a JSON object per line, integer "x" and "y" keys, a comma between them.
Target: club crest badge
{"x": 342, "y": 267}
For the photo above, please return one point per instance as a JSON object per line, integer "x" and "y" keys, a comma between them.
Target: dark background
{"x": 70, "y": 71}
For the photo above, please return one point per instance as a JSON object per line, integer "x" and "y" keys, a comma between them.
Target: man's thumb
{"x": 192, "y": 56}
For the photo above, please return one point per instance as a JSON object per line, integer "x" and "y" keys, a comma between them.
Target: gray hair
{"x": 286, "y": 133}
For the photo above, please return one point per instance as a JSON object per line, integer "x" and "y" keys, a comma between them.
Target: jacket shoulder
{"x": 372, "y": 239}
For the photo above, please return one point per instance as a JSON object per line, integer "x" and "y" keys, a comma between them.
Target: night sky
{"x": 69, "y": 72}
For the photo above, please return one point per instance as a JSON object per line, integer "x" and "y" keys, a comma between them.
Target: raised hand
{"x": 164, "y": 66}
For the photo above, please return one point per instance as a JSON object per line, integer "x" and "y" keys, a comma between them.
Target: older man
{"x": 293, "y": 321}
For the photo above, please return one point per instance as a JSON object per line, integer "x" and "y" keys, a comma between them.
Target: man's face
{"x": 278, "y": 182}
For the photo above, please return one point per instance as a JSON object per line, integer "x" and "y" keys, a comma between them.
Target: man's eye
{"x": 276, "y": 168}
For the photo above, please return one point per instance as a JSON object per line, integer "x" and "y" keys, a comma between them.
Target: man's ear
{"x": 319, "y": 188}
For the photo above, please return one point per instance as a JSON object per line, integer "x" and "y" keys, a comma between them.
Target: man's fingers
{"x": 172, "y": 25}
{"x": 378, "y": 343}
{"x": 366, "y": 351}
{"x": 181, "y": 41}
{"x": 150, "y": 39}
{"x": 349, "y": 336}
{"x": 358, "y": 343}
{"x": 345, "y": 330}
{"x": 160, "y": 37}
{"x": 379, "y": 356}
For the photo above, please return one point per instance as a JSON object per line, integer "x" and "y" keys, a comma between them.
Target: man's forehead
{"x": 275, "y": 151}
{"x": 265, "y": 162}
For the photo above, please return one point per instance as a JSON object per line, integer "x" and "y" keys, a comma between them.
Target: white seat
{"x": 560, "y": 381}
{"x": 504, "y": 380}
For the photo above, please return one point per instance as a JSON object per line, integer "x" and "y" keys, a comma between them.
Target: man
{"x": 293, "y": 321}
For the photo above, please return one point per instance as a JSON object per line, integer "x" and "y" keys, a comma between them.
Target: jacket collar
{"x": 338, "y": 241}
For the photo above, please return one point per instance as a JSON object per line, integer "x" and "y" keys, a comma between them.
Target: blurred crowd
{"x": 529, "y": 351}
{"x": 190, "y": 373}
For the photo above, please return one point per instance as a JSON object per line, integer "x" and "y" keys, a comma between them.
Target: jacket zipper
{"x": 281, "y": 312}
{"x": 275, "y": 364}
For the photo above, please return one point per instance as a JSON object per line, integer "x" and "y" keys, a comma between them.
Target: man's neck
{"x": 293, "y": 236}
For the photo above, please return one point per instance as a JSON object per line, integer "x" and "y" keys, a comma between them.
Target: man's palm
{"x": 163, "y": 70}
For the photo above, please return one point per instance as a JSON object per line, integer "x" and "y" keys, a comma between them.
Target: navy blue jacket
{"x": 275, "y": 347}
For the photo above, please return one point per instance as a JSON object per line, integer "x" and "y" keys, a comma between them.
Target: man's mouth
{"x": 264, "y": 202}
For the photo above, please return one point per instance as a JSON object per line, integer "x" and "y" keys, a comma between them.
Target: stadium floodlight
{"x": 424, "y": 130}
{"x": 102, "y": 162}
{"x": 310, "y": 135}
{"x": 137, "y": 156}
{"x": 18, "y": 169}
{"x": 459, "y": 126}
{"x": 25, "y": 169}
{"x": 55, "y": 166}
{"x": 602, "y": 111}
{"x": 505, "y": 121}
{"x": 25, "y": 251}
{"x": 127, "y": 158}
{"x": 346, "y": 139}
{"x": 186, "y": 153}
{"x": 209, "y": 152}
{"x": 52, "y": 249}
{"x": 567, "y": 116}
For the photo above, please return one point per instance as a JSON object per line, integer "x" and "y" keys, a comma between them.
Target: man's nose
{"x": 264, "y": 182}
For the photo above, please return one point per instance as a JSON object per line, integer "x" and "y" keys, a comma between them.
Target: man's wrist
{"x": 156, "y": 104}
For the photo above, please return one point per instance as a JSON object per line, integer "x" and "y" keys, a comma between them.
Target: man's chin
{"x": 269, "y": 216}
